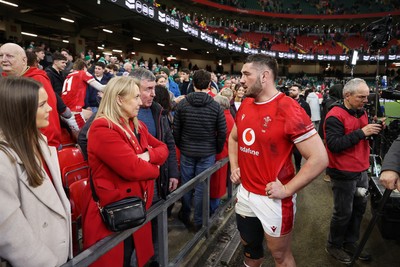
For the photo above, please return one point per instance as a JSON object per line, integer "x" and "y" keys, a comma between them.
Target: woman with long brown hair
{"x": 35, "y": 218}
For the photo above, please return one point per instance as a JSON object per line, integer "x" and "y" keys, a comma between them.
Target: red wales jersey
{"x": 74, "y": 89}
{"x": 266, "y": 134}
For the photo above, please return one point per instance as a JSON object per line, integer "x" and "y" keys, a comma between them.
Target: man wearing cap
{"x": 171, "y": 85}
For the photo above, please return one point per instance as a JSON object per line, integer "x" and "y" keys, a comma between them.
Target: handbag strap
{"x": 94, "y": 194}
{"x": 96, "y": 197}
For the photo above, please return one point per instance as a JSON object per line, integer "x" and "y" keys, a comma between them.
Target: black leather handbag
{"x": 123, "y": 214}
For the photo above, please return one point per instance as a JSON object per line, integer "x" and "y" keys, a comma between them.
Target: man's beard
{"x": 254, "y": 90}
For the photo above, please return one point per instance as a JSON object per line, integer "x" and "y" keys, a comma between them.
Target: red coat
{"x": 118, "y": 173}
{"x": 218, "y": 179}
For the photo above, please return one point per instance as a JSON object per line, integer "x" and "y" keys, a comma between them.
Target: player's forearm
{"x": 98, "y": 86}
{"x": 313, "y": 167}
{"x": 233, "y": 154}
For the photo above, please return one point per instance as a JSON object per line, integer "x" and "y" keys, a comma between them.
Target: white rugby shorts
{"x": 276, "y": 215}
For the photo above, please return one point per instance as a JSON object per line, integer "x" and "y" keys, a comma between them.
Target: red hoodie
{"x": 53, "y": 131}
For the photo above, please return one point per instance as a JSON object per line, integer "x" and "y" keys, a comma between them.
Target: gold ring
{"x": 268, "y": 192}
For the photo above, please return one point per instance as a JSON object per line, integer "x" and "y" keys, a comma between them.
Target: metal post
{"x": 206, "y": 204}
{"x": 371, "y": 225}
{"x": 163, "y": 237}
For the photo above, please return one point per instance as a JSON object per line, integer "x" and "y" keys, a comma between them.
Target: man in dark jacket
{"x": 151, "y": 113}
{"x": 199, "y": 132}
{"x": 157, "y": 123}
{"x": 294, "y": 92}
{"x": 334, "y": 97}
{"x": 346, "y": 131}
{"x": 55, "y": 72}
{"x": 56, "y": 76}
{"x": 92, "y": 99}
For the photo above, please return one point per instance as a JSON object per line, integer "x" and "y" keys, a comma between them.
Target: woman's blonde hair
{"x": 227, "y": 92}
{"x": 223, "y": 101}
{"x": 121, "y": 86}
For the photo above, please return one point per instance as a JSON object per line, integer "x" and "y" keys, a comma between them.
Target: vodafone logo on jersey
{"x": 248, "y": 137}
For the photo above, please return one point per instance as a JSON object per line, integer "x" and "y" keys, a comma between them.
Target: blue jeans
{"x": 214, "y": 204}
{"x": 348, "y": 210}
{"x": 191, "y": 167}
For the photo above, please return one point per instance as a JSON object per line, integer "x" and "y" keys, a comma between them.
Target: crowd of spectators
{"x": 176, "y": 84}
{"x": 264, "y": 35}
{"x": 317, "y": 7}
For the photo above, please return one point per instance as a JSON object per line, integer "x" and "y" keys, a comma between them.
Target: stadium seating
{"x": 66, "y": 138}
{"x": 74, "y": 173}
{"x": 73, "y": 166}
{"x": 76, "y": 190}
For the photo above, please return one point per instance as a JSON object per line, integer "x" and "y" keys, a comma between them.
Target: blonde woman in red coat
{"x": 125, "y": 160}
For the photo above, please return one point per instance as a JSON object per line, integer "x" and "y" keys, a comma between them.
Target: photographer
{"x": 346, "y": 130}
{"x": 390, "y": 178}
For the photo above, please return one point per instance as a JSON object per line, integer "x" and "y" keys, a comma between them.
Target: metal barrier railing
{"x": 159, "y": 211}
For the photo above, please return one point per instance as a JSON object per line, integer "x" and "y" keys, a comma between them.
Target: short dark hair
{"x": 58, "y": 56}
{"x": 201, "y": 79}
{"x": 296, "y": 85}
{"x": 100, "y": 64}
{"x": 186, "y": 70}
{"x": 112, "y": 67}
{"x": 264, "y": 60}
{"x": 65, "y": 50}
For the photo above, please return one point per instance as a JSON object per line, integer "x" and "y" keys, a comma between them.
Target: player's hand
{"x": 276, "y": 190}
{"x": 235, "y": 176}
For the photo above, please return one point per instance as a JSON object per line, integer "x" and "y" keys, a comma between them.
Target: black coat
{"x": 56, "y": 79}
{"x": 57, "y": 82}
{"x": 199, "y": 126}
{"x": 163, "y": 130}
{"x": 304, "y": 105}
